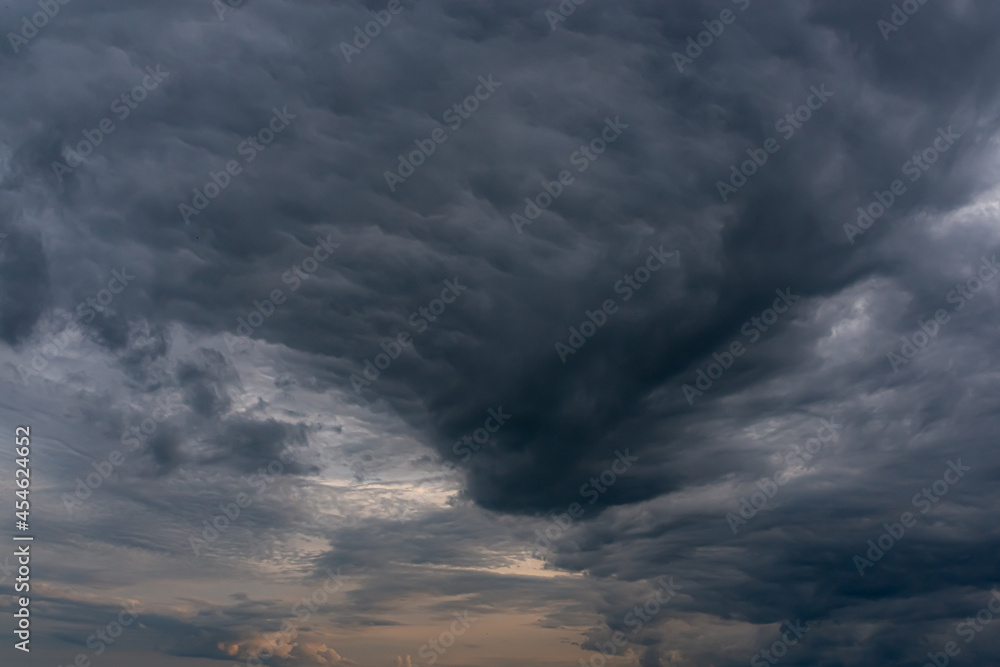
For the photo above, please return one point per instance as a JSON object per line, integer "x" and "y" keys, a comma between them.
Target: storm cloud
{"x": 507, "y": 311}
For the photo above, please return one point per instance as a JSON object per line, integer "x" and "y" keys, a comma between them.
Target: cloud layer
{"x": 395, "y": 290}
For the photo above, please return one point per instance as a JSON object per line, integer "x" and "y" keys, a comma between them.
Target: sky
{"x": 481, "y": 333}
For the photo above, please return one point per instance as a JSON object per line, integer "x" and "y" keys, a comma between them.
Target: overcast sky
{"x": 502, "y": 332}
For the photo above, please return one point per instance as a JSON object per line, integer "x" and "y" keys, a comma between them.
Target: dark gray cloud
{"x": 281, "y": 301}
{"x": 25, "y": 277}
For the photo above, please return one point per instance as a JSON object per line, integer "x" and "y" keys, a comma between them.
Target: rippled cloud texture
{"x": 494, "y": 332}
